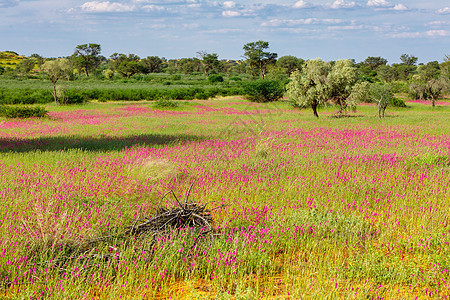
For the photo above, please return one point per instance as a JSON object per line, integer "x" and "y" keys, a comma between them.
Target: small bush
{"x": 73, "y": 97}
{"x": 215, "y": 78}
{"x": 22, "y": 111}
{"x": 201, "y": 96}
{"x": 395, "y": 102}
{"x": 165, "y": 103}
{"x": 236, "y": 78}
{"x": 263, "y": 90}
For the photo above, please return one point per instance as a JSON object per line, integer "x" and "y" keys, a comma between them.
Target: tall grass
{"x": 328, "y": 208}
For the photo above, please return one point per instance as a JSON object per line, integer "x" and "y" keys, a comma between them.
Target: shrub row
{"x": 30, "y": 96}
{"x": 10, "y": 111}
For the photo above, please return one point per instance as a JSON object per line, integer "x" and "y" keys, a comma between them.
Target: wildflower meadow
{"x": 302, "y": 208}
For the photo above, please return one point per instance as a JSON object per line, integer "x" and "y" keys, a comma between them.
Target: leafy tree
{"x": 290, "y": 63}
{"x": 319, "y": 82}
{"x": 25, "y": 66}
{"x": 429, "y": 83}
{"x": 340, "y": 82}
{"x": 56, "y": 70}
{"x": 309, "y": 87}
{"x": 381, "y": 94}
{"x": 210, "y": 62}
{"x": 445, "y": 66}
{"x": 87, "y": 57}
{"x": 408, "y": 60}
{"x": 257, "y": 58}
{"x": 374, "y": 62}
{"x": 386, "y": 73}
{"x": 152, "y": 64}
{"x": 127, "y": 66}
{"x": 38, "y": 59}
{"x": 190, "y": 65}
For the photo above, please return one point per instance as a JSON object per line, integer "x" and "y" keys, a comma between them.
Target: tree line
{"x": 309, "y": 82}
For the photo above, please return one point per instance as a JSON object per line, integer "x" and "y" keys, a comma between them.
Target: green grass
{"x": 322, "y": 208}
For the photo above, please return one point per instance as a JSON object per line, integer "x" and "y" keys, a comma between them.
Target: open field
{"x": 328, "y": 208}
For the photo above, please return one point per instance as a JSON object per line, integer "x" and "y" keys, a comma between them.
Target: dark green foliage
{"x": 215, "y": 78}
{"x": 24, "y": 96}
{"x": 395, "y": 102}
{"x": 263, "y": 90}
{"x": 12, "y": 111}
{"x": 73, "y": 97}
{"x": 165, "y": 103}
{"x": 236, "y": 78}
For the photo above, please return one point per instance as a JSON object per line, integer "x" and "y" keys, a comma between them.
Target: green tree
{"x": 309, "y": 87}
{"x": 258, "y": 59}
{"x": 87, "y": 57}
{"x": 56, "y": 70}
{"x": 290, "y": 64}
{"x": 190, "y": 65}
{"x": 210, "y": 62}
{"x": 340, "y": 80}
{"x": 408, "y": 60}
{"x": 380, "y": 94}
{"x": 25, "y": 66}
{"x": 374, "y": 62}
{"x": 152, "y": 64}
{"x": 126, "y": 65}
{"x": 429, "y": 83}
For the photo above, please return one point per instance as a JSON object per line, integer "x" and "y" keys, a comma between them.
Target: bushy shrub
{"x": 201, "y": 96}
{"x": 215, "y": 78}
{"x": 236, "y": 78}
{"x": 73, "y": 97}
{"x": 12, "y": 111}
{"x": 263, "y": 90}
{"x": 395, "y": 102}
{"x": 165, "y": 103}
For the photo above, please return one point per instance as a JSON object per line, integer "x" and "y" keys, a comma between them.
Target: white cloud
{"x": 230, "y": 13}
{"x": 378, "y": 3}
{"x": 429, "y": 33}
{"x": 433, "y": 33}
{"x": 438, "y": 23}
{"x": 153, "y": 7}
{"x": 229, "y": 4}
{"x": 106, "y": 6}
{"x": 295, "y": 22}
{"x": 400, "y": 7}
{"x": 349, "y": 27}
{"x": 342, "y": 4}
{"x": 301, "y": 4}
{"x": 444, "y": 11}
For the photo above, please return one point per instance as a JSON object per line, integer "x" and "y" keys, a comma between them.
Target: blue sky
{"x": 180, "y": 28}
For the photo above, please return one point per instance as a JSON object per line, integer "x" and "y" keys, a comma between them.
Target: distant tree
{"x": 429, "y": 83}
{"x": 374, "y": 62}
{"x": 25, "y": 66}
{"x": 152, "y": 64}
{"x": 381, "y": 94}
{"x": 258, "y": 59}
{"x": 87, "y": 57}
{"x": 340, "y": 81}
{"x": 290, "y": 63}
{"x": 445, "y": 66}
{"x": 210, "y": 62}
{"x": 408, "y": 60}
{"x": 309, "y": 87}
{"x": 125, "y": 65}
{"x": 56, "y": 70}
{"x": 38, "y": 59}
{"x": 190, "y": 65}
{"x": 385, "y": 73}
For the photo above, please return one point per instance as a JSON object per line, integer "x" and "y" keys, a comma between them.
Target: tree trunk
{"x": 314, "y": 108}
{"x": 86, "y": 72}
{"x": 55, "y": 96}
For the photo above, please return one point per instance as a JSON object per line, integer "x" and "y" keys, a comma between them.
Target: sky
{"x": 330, "y": 30}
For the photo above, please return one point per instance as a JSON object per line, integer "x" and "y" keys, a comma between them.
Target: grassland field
{"x": 303, "y": 208}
